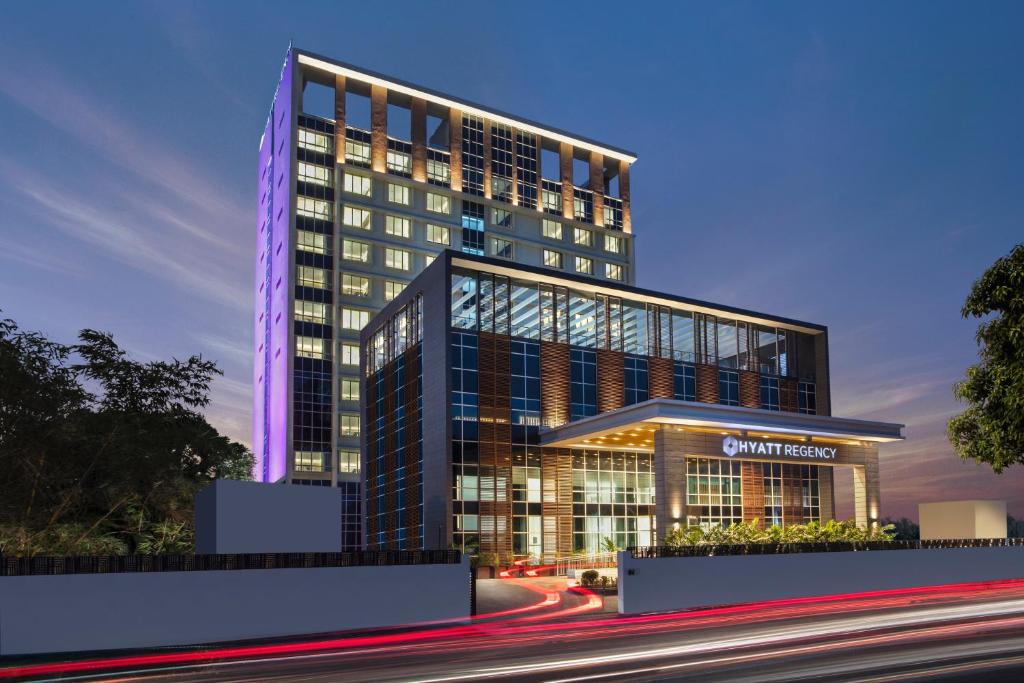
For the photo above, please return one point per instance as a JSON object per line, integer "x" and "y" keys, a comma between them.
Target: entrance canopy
{"x": 633, "y": 427}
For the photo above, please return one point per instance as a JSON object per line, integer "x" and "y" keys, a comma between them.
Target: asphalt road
{"x": 949, "y": 634}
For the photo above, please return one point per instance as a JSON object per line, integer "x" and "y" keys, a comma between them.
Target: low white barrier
{"x": 77, "y": 612}
{"x": 674, "y": 583}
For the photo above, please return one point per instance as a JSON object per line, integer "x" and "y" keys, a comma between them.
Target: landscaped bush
{"x": 750, "y": 533}
{"x": 589, "y": 578}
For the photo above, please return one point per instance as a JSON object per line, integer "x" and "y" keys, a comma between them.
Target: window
{"x": 772, "y": 474}
{"x": 684, "y": 382}
{"x": 398, "y": 194}
{"x": 392, "y": 289}
{"x": 584, "y": 265}
{"x": 473, "y": 228}
{"x": 808, "y": 402}
{"x": 355, "y": 285}
{"x": 349, "y": 354}
{"x": 428, "y": 259}
{"x": 438, "y": 203}
{"x": 636, "y": 377}
{"x": 438, "y": 234}
{"x": 356, "y": 218}
{"x": 396, "y": 258}
{"x": 728, "y": 388}
{"x": 399, "y": 162}
{"x": 309, "y": 347}
{"x": 311, "y": 242}
{"x": 501, "y": 248}
{"x": 348, "y": 461}
{"x": 309, "y": 461}
{"x": 348, "y": 424}
{"x": 583, "y": 237}
{"x": 352, "y": 250}
{"x": 770, "y": 393}
{"x": 357, "y": 184}
{"x": 308, "y": 276}
{"x": 613, "y": 271}
{"x": 310, "y": 312}
{"x": 583, "y": 376}
{"x": 551, "y": 200}
{"x": 357, "y": 152}
{"x": 315, "y": 175}
{"x": 811, "y": 494}
{"x": 713, "y": 492}
{"x": 349, "y": 389}
{"x": 524, "y": 387}
{"x": 500, "y": 218}
{"x": 315, "y": 141}
{"x": 552, "y": 229}
{"x": 613, "y": 244}
{"x": 313, "y": 208}
{"x": 439, "y": 172}
{"x": 399, "y": 227}
{"x": 552, "y": 259}
{"x": 354, "y": 319}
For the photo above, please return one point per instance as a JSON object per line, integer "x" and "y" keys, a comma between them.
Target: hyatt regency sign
{"x": 732, "y": 446}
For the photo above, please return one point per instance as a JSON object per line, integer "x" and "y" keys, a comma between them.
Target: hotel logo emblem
{"x": 730, "y": 446}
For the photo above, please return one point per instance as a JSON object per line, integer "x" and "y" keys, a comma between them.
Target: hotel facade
{"x": 518, "y": 410}
{"x": 355, "y": 200}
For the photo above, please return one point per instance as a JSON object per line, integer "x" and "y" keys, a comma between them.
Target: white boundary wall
{"x": 76, "y": 612}
{"x": 674, "y": 583}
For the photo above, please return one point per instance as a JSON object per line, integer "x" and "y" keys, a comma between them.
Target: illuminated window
{"x": 551, "y": 200}
{"x": 612, "y": 271}
{"x": 399, "y": 227}
{"x": 501, "y": 248}
{"x": 309, "y": 461}
{"x": 313, "y": 208}
{"x": 352, "y": 250}
{"x": 308, "y": 311}
{"x": 356, "y": 218}
{"x": 501, "y": 218}
{"x": 552, "y": 259}
{"x": 354, "y": 319}
{"x": 583, "y": 237}
{"x": 309, "y": 347}
{"x": 713, "y": 492}
{"x": 308, "y": 276}
{"x": 349, "y": 389}
{"x": 428, "y": 259}
{"x": 317, "y": 142}
{"x": 552, "y": 229}
{"x": 613, "y": 244}
{"x": 349, "y": 354}
{"x": 357, "y": 152}
{"x": 584, "y": 265}
{"x": 392, "y": 289}
{"x": 315, "y": 175}
{"x": 438, "y": 234}
{"x": 311, "y": 241}
{"x": 399, "y": 162}
{"x": 398, "y": 194}
{"x": 355, "y": 285}
{"x": 348, "y": 461}
{"x": 438, "y": 203}
{"x": 397, "y": 258}
{"x": 348, "y": 424}
{"x": 439, "y": 172}
{"x": 357, "y": 184}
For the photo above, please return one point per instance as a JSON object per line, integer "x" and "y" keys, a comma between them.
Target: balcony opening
{"x": 318, "y": 100}
{"x": 399, "y": 122}
{"x": 357, "y": 110}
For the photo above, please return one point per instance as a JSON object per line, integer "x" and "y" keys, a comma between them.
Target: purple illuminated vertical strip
{"x": 273, "y": 288}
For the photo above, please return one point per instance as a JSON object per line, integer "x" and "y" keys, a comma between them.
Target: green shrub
{"x": 589, "y": 578}
{"x": 749, "y": 533}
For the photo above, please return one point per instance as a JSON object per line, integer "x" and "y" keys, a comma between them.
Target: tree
{"x": 101, "y": 453}
{"x": 991, "y": 429}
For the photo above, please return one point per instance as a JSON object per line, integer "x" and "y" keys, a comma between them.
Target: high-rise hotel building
{"x": 534, "y": 412}
{"x": 351, "y": 209}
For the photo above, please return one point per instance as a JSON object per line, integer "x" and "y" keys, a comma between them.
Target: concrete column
{"x": 339, "y": 121}
{"x": 565, "y": 173}
{"x": 669, "y": 479}
{"x": 488, "y": 156}
{"x": 379, "y": 128}
{"x": 627, "y": 223}
{"x": 597, "y": 186}
{"x": 418, "y": 113}
{"x": 866, "y": 499}
{"x": 822, "y": 390}
{"x": 455, "y": 144}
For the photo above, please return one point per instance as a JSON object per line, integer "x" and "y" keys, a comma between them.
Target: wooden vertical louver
{"x": 611, "y": 391}
{"x": 662, "y": 383}
{"x": 750, "y": 389}
{"x": 707, "y": 383}
{"x": 752, "y": 488}
{"x": 555, "y": 391}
